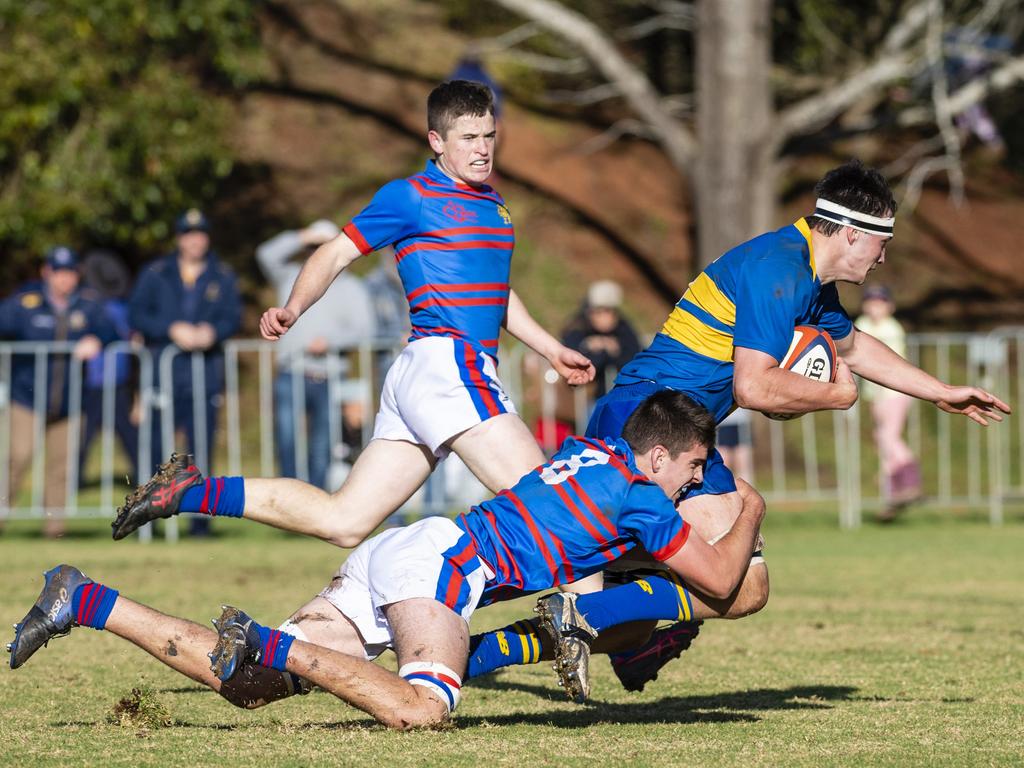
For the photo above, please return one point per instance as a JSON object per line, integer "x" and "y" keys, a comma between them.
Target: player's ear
{"x": 852, "y": 235}
{"x": 659, "y": 455}
{"x": 436, "y": 142}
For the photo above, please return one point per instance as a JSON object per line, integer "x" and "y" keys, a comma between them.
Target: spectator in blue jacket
{"x": 106, "y": 274}
{"x": 190, "y": 300}
{"x": 55, "y": 310}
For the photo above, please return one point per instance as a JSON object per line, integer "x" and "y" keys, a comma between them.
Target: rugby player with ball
{"x": 729, "y": 342}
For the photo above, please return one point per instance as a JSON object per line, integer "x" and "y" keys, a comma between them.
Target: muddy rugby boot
{"x": 572, "y": 635}
{"x": 50, "y": 617}
{"x": 160, "y": 497}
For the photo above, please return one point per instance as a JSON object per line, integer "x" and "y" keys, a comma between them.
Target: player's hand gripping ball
{"x": 813, "y": 355}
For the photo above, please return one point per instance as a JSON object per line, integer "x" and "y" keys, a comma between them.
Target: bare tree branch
{"x": 593, "y": 95}
{"x": 909, "y": 159}
{"x": 654, "y": 24}
{"x": 999, "y": 79}
{"x": 940, "y": 98}
{"x": 638, "y": 91}
{"x": 507, "y": 40}
{"x": 542, "y": 63}
{"x": 625, "y": 127}
{"x": 917, "y": 177}
{"x": 903, "y": 32}
{"x": 679, "y": 104}
{"x": 898, "y": 61}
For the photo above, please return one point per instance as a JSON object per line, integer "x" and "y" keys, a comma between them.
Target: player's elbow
{"x": 718, "y": 586}
{"x": 752, "y": 594}
{"x": 747, "y": 393}
{"x": 344, "y": 539}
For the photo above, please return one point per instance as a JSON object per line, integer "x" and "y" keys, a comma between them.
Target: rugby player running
{"x": 453, "y": 239}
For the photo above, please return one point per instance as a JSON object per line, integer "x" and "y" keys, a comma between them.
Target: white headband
{"x": 865, "y": 222}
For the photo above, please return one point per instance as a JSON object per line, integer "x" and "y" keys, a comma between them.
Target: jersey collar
{"x": 805, "y": 230}
{"x": 434, "y": 172}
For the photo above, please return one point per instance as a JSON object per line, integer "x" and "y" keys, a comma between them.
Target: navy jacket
{"x": 160, "y": 299}
{"x": 29, "y": 316}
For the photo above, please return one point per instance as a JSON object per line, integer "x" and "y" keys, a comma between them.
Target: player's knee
{"x": 436, "y": 690}
{"x": 427, "y": 711}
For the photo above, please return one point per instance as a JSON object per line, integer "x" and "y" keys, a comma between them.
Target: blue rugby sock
{"x": 517, "y": 643}
{"x": 219, "y": 496}
{"x": 91, "y": 605}
{"x": 274, "y": 645}
{"x": 650, "y": 598}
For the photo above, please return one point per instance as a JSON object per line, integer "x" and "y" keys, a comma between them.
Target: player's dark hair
{"x": 671, "y": 419}
{"x": 856, "y": 187}
{"x": 454, "y": 99}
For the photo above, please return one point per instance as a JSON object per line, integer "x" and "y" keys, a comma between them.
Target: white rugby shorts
{"x": 437, "y": 388}
{"x": 432, "y": 558}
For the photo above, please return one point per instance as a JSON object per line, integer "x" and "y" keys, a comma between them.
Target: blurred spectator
{"x": 106, "y": 274}
{"x": 736, "y": 445}
{"x": 901, "y": 474}
{"x": 57, "y": 310}
{"x": 390, "y": 308}
{"x": 190, "y": 299}
{"x": 601, "y": 333}
{"x": 308, "y": 355}
{"x": 970, "y": 53}
{"x": 471, "y": 68}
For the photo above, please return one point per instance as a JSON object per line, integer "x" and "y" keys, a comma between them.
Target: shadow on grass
{"x": 729, "y": 707}
{"x": 735, "y": 706}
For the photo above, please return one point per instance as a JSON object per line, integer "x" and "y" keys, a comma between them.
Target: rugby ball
{"x": 813, "y": 355}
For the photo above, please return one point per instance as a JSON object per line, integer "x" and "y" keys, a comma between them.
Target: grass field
{"x": 896, "y": 646}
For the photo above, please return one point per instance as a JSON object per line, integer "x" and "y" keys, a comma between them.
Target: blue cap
{"x": 61, "y": 257}
{"x": 192, "y": 220}
{"x": 877, "y": 291}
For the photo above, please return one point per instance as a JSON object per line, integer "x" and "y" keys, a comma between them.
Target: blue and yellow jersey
{"x": 752, "y": 296}
{"x": 453, "y": 244}
{"x": 570, "y": 518}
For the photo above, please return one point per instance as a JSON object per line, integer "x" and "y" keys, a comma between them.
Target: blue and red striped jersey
{"x": 570, "y": 518}
{"x": 453, "y": 243}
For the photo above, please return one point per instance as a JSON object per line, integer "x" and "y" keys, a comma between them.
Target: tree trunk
{"x": 734, "y": 179}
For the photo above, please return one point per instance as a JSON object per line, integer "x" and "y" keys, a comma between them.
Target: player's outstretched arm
{"x": 875, "y": 361}
{"x": 716, "y": 569}
{"x": 572, "y": 366}
{"x": 759, "y": 384}
{"x": 317, "y": 274}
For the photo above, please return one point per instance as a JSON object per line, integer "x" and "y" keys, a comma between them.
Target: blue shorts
{"x": 610, "y": 415}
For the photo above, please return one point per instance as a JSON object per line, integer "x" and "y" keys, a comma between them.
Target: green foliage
{"x": 114, "y": 116}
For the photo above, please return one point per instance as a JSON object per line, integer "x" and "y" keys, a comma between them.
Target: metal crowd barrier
{"x": 825, "y": 459}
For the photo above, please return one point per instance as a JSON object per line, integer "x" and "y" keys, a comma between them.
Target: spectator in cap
{"x": 601, "y": 333}
{"x": 901, "y": 473}
{"x": 56, "y": 310}
{"x": 106, "y": 274}
{"x": 311, "y": 358}
{"x": 188, "y": 299}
